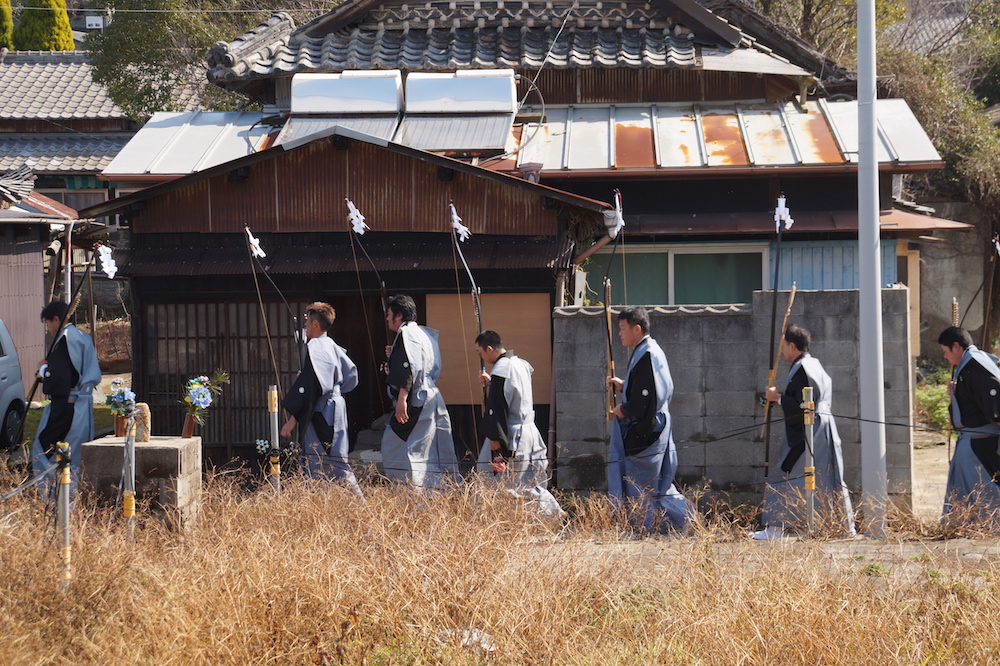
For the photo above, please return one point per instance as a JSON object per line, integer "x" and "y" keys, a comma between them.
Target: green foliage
{"x": 830, "y": 26}
{"x": 44, "y": 29}
{"x": 932, "y": 399}
{"x": 6, "y": 25}
{"x": 156, "y": 61}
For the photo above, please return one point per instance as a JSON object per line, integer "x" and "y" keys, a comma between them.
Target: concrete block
{"x": 583, "y": 472}
{"x": 731, "y": 403}
{"x": 688, "y": 378}
{"x": 721, "y": 352}
{"x": 573, "y": 379}
{"x": 688, "y": 403}
{"x": 582, "y": 404}
{"x": 687, "y": 429}
{"x": 741, "y": 378}
{"x": 583, "y": 429}
{"x": 167, "y": 470}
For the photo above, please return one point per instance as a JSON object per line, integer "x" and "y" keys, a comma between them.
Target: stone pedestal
{"x": 167, "y": 473}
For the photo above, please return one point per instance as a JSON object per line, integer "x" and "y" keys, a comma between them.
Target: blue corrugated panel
{"x": 827, "y": 264}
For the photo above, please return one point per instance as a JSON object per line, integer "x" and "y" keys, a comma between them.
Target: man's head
{"x": 633, "y": 326}
{"x": 319, "y": 318}
{"x": 489, "y": 346}
{"x": 53, "y": 315}
{"x": 795, "y": 343}
{"x": 954, "y": 341}
{"x": 400, "y": 310}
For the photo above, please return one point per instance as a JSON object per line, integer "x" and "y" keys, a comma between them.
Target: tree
{"x": 6, "y": 25}
{"x": 45, "y": 28}
{"x": 154, "y": 60}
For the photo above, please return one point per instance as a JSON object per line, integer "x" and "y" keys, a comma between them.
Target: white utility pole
{"x": 870, "y": 373}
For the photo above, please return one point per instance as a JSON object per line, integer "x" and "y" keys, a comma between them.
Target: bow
{"x": 358, "y": 229}
{"x": 781, "y": 215}
{"x": 613, "y": 232}
{"x": 256, "y": 253}
{"x": 460, "y": 232}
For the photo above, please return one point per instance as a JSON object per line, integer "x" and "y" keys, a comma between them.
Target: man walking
{"x": 417, "y": 444}
{"x": 784, "y": 498}
{"x": 641, "y": 455}
{"x": 69, "y": 374}
{"x": 513, "y": 452}
{"x": 972, "y": 491}
{"x": 316, "y": 401}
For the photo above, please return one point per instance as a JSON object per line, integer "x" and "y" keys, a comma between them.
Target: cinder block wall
{"x": 719, "y": 359}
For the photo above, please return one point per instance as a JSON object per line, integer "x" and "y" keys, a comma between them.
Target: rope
{"x": 38, "y": 478}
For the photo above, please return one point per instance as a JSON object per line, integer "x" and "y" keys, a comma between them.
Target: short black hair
{"x": 402, "y": 304}
{"x": 323, "y": 313}
{"x": 636, "y": 315}
{"x": 489, "y": 339}
{"x": 54, "y": 310}
{"x": 953, "y": 334}
{"x": 799, "y": 337}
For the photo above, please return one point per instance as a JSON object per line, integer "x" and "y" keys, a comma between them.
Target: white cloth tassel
{"x": 108, "y": 264}
{"x": 456, "y": 223}
{"x": 255, "y": 248}
{"x": 781, "y": 214}
{"x": 357, "y": 219}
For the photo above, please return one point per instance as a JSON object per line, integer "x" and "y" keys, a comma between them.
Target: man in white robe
{"x": 316, "y": 401}
{"x": 784, "y": 504}
{"x": 973, "y": 493}
{"x": 417, "y": 445}
{"x": 69, "y": 374}
{"x": 513, "y": 452}
{"x": 642, "y": 460}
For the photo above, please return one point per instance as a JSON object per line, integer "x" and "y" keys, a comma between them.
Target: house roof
{"x": 624, "y": 140}
{"x": 121, "y": 203}
{"x": 894, "y": 221}
{"x": 61, "y": 152}
{"x": 35, "y": 209}
{"x": 51, "y": 86}
{"x": 560, "y": 34}
{"x": 642, "y": 140}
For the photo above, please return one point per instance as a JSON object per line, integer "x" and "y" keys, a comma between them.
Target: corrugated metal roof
{"x": 465, "y": 132}
{"x": 61, "y": 152}
{"x": 382, "y": 127}
{"x": 182, "y": 143}
{"x": 683, "y": 136}
{"x": 763, "y": 223}
{"x": 389, "y": 252}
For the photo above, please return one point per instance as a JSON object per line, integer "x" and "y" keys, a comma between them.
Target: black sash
{"x": 403, "y": 430}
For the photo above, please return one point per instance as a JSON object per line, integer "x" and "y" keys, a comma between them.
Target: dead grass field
{"x": 470, "y": 577}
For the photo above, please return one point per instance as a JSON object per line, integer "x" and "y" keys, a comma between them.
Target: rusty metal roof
{"x": 651, "y": 138}
{"x": 222, "y": 254}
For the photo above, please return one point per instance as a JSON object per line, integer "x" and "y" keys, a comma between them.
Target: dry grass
{"x": 319, "y": 578}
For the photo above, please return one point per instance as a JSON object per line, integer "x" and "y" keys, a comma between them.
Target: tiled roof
{"x": 52, "y": 85}
{"x": 66, "y": 153}
{"x": 467, "y": 34}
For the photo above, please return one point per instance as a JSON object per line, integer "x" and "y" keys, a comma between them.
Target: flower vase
{"x": 120, "y": 422}
{"x": 188, "y": 431}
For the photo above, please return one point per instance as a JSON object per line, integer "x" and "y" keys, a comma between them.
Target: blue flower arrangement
{"x": 120, "y": 394}
{"x": 199, "y": 393}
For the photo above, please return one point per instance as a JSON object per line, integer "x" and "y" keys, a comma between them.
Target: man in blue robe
{"x": 641, "y": 455}
{"x": 784, "y": 497}
{"x": 69, "y": 374}
{"x": 417, "y": 445}
{"x": 316, "y": 401}
{"x": 972, "y": 493}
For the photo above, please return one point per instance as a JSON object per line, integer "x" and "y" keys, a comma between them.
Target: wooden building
{"x": 196, "y": 304}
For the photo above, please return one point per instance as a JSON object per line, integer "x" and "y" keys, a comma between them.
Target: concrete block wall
{"x": 719, "y": 359}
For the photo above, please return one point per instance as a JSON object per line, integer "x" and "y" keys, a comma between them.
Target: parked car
{"x": 11, "y": 390}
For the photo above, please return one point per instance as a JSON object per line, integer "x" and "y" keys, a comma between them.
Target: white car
{"x": 11, "y": 390}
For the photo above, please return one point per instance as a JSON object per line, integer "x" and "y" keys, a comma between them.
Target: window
{"x": 694, "y": 274}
